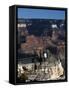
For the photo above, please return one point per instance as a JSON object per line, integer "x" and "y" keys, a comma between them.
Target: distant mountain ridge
{"x": 39, "y": 26}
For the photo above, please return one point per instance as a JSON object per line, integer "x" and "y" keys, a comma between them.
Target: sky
{"x": 27, "y": 13}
